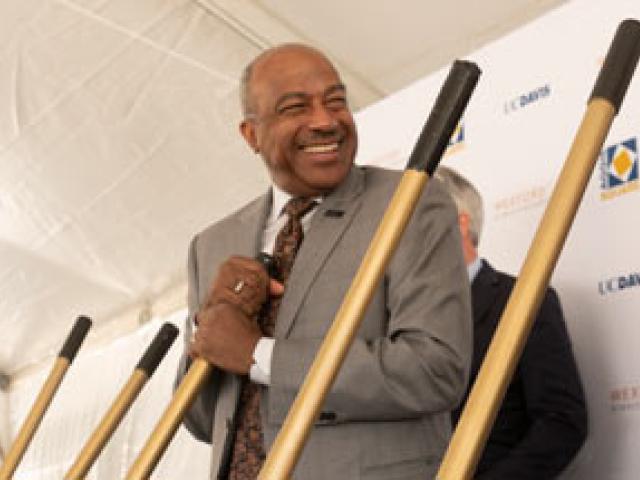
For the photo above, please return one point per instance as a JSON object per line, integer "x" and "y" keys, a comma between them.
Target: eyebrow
{"x": 338, "y": 87}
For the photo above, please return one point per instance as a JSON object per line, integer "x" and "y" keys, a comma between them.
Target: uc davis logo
{"x": 621, "y": 282}
{"x": 526, "y": 99}
{"x": 456, "y": 142}
{"x": 619, "y": 169}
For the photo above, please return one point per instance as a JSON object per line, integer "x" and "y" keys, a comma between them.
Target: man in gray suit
{"x": 387, "y": 415}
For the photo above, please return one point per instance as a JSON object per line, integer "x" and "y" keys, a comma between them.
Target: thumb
{"x": 275, "y": 288}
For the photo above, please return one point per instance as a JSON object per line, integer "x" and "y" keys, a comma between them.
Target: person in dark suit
{"x": 387, "y": 415}
{"x": 542, "y": 422}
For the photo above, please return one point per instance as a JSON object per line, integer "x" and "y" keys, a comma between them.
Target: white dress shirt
{"x": 473, "y": 268}
{"x": 260, "y": 371}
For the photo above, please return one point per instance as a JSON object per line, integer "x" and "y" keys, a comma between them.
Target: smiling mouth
{"x": 325, "y": 148}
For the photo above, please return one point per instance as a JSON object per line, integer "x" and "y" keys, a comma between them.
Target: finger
{"x": 245, "y": 284}
{"x": 242, "y": 282}
{"x": 253, "y": 267}
{"x": 233, "y": 269}
{"x": 248, "y": 295}
{"x": 193, "y": 351}
{"x": 247, "y": 265}
{"x": 276, "y": 288}
{"x": 248, "y": 280}
{"x": 247, "y": 305}
{"x": 248, "y": 299}
{"x": 204, "y": 316}
{"x": 247, "y": 262}
{"x": 241, "y": 293}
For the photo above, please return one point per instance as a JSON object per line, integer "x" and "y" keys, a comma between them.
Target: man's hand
{"x": 244, "y": 283}
{"x": 227, "y": 328}
{"x": 226, "y": 337}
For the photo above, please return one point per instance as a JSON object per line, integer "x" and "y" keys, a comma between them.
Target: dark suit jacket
{"x": 543, "y": 419}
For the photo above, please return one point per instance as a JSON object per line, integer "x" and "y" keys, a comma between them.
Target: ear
{"x": 463, "y": 222}
{"x": 248, "y": 131}
{"x": 468, "y": 249}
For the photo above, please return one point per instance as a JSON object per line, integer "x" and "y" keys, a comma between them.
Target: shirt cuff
{"x": 260, "y": 371}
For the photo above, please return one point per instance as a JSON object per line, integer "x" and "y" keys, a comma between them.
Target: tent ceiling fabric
{"x": 118, "y": 137}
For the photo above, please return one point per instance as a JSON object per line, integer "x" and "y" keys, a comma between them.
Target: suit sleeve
{"x": 199, "y": 418}
{"x": 554, "y": 401}
{"x": 419, "y": 364}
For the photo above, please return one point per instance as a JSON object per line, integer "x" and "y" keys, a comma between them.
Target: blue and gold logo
{"x": 619, "y": 169}
{"x": 456, "y": 142}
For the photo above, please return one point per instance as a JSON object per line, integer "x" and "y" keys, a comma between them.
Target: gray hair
{"x": 246, "y": 100}
{"x": 466, "y": 197}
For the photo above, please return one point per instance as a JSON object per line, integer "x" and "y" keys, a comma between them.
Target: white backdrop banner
{"x": 511, "y": 144}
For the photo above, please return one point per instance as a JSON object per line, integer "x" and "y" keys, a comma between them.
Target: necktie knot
{"x": 297, "y": 207}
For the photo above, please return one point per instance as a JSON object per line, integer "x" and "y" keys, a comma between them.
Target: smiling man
{"x": 297, "y": 119}
{"x": 387, "y": 415}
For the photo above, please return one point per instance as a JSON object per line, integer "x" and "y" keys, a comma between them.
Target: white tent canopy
{"x": 118, "y": 134}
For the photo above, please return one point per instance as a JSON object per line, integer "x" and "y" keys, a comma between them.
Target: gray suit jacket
{"x": 387, "y": 415}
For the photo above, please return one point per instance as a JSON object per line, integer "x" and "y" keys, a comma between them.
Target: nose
{"x": 321, "y": 118}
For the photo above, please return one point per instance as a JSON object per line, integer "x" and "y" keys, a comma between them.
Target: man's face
{"x": 301, "y": 124}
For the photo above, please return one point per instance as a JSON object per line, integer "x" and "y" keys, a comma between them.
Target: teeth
{"x": 321, "y": 148}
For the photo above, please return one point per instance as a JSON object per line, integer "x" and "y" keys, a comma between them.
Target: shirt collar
{"x": 280, "y": 199}
{"x": 473, "y": 268}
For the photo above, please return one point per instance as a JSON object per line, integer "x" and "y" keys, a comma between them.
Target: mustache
{"x": 323, "y": 135}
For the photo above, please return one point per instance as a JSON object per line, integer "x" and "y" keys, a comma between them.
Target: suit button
{"x": 327, "y": 416}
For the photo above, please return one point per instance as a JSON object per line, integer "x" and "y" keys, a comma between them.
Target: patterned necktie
{"x": 248, "y": 446}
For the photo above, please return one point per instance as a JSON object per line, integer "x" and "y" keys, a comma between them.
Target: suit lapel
{"x": 244, "y": 237}
{"x": 247, "y": 237}
{"x": 484, "y": 290}
{"x": 329, "y": 223}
